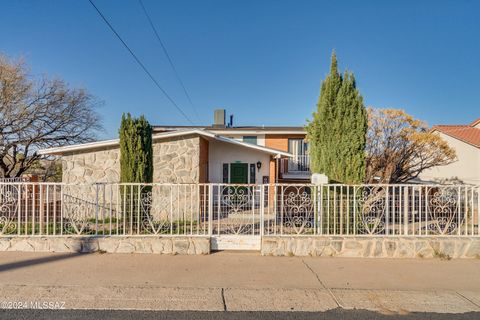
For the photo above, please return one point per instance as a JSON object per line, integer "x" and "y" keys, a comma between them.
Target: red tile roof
{"x": 466, "y": 133}
{"x": 475, "y": 123}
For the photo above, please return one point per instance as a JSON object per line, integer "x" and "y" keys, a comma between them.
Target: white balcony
{"x": 297, "y": 167}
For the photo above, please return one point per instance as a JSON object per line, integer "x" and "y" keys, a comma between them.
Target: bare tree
{"x": 38, "y": 113}
{"x": 400, "y": 147}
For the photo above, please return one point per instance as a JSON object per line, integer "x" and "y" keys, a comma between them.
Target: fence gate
{"x": 236, "y": 217}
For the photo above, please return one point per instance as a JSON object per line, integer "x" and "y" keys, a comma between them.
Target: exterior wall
{"x": 373, "y": 247}
{"x": 239, "y": 137}
{"x": 176, "y": 160}
{"x": 280, "y": 141}
{"x": 203, "y": 168}
{"x": 101, "y": 165}
{"x": 160, "y": 245}
{"x": 222, "y": 152}
{"x": 466, "y": 168}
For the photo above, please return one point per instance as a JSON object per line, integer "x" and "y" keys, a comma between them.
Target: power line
{"x": 168, "y": 58}
{"x": 140, "y": 62}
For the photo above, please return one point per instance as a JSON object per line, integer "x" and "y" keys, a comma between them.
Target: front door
{"x": 239, "y": 173}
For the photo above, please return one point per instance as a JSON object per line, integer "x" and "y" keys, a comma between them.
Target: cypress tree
{"x": 136, "y": 166}
{"x": 337, "y": 132}
{"x": 136, "y": 154}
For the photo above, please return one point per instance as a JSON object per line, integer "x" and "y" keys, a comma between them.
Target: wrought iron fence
{"x": 226, "y": 209}
{"x": 390, "y": 210}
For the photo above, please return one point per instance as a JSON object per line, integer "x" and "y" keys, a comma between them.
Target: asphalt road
{"x": 336, "y": 314}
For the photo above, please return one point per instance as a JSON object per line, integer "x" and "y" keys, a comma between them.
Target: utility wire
{"x": 140, "y": 62}
{"x": 168, "y": 58}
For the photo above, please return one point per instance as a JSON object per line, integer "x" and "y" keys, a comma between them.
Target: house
{"x": 220, "y": 153}
{"x": 465, "y": 140}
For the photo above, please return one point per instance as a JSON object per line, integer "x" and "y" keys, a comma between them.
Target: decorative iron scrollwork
{"x": 8, "y": 209}
{"x": 372, "y": 203}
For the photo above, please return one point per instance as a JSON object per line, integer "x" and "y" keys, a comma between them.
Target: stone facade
{"x": 373, "y": 247}
{"x": 159, "y": 245}
{"x": 176, "y": 160}
{"x": 101, "y": 165}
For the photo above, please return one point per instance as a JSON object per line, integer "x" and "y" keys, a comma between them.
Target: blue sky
{"x": 261, "y": 60}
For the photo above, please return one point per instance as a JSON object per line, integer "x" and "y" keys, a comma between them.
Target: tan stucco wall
{"x": 466, "y": 168}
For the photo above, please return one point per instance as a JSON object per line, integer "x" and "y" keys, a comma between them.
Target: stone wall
{"x": 176, "y": 160}
{"x": 160, "y": 245}
{"x": 100, "y": 165}
{"x": 373, "y": 247}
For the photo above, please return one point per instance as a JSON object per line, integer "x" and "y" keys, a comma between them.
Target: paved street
{"x": 337, "y": 314}
{"x": 225, "y": 281}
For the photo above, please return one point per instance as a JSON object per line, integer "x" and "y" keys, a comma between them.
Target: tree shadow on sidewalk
{"x": 36, "y": 261}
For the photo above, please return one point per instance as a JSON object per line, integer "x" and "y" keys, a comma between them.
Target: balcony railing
{"x": 297, "y": 164}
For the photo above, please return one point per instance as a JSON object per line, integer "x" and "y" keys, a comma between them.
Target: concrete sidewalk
{"x": 239, "y": 282}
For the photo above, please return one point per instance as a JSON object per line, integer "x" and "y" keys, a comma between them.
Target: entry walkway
{"x": 240, "y": 281}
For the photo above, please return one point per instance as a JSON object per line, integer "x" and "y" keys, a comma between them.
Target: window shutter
{"x": 252, "y": 173}
{"x": 225, "y": 173}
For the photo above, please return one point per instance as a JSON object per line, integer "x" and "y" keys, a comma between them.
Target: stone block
{"x": 447, "y": 247}
{"x": 202, "y": 245}
{"x": 108, "y": 244}
{"x": 390, "y": 248}
{"x": 125, "y": 246}
{"x": 180, "y": 246}
{"x": 378, "y": 249}
{"x": 158, "y": 245}
{"x": 473, "y": 250}
{"x": 336, "y": 245}
{"x": 89, "y": 244}
{"x": 4, "y": 244}
{"x": 40, "y": 244}
{"x": 406, "y": 249}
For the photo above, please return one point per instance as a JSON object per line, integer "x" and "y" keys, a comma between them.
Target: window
{"x": 297, "y": 147}
{"x": 252, "y": 173}
{"x": 250, "y": 139}
{"x": 300, "y": 160}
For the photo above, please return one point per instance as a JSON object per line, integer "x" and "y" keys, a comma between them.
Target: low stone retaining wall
{"x": 117, "y": 244}
{"x": 373, "y": 247}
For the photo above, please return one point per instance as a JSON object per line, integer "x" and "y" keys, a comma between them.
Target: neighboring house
{"x": 465, "y": 140}
{"x": 221, "y": 153}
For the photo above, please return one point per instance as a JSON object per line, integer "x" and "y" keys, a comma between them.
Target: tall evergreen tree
{"x": 136, "y": 154}
{"x": 337, "y": 132}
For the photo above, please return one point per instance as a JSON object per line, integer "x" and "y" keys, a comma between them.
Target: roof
{"x": 467, "y": 133}
{"x": 169, "y": 134}
{"x": 475, "y": 123}
{"x": 237, "y": 129}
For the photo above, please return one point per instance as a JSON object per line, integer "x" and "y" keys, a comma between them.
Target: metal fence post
{"x": 96, "y": 208}
{"x": 210, "y": 210}
{"x": 262, "y": 210}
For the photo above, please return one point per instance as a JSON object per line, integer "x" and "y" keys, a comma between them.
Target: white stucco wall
{"x": 221, "y": 152}
{"x": 239, "y": 137}
{"x": 466, "y": 168}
